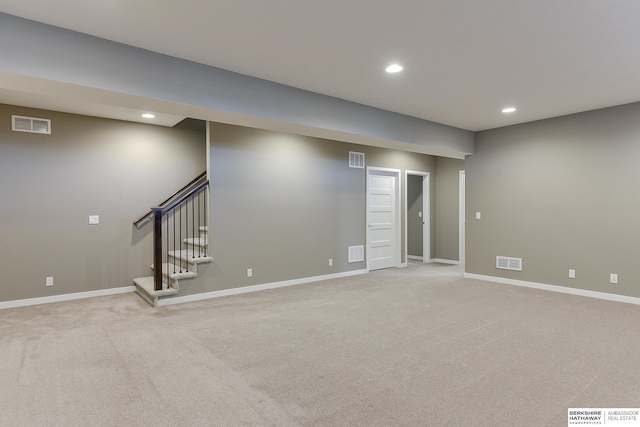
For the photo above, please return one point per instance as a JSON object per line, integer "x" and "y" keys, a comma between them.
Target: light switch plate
{"x": 94, "y": 219}
{"x": 419, "y": 214}
{"x": 478, "y": 215}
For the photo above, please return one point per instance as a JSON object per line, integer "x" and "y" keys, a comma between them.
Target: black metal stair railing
{"x": 172, "y": 225}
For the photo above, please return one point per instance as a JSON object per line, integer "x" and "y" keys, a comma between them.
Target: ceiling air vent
{"x": 356, "y": 253}
{"x": 31, "y": 124}
{"x": 356, "y": 160}
{"x": 508, "y": 263}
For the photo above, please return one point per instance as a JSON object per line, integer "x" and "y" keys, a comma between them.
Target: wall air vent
{"x": 356, "y": 253}
{"x": 508, "y": 263}
{"x": 356, "y": 160}
{"x": 30, "y": 124}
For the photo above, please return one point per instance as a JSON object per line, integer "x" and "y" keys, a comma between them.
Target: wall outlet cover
{"x": 572, "y": 274}
{"x": 94, "y": 219}
{"x": 49, "y": 281}
{"x": 613, "y": 278}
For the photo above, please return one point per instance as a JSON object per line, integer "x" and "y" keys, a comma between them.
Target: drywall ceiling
{"x": 464, "y": 60}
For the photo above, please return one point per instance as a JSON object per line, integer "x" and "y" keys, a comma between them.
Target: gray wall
{"x": 60, "y": 55}
{"x": 561, "y": 194}
{"x": 415, "y": 235}
{"x": 284, "y": 204}
{"x": 51, "y": 183}
{"x": 447, "y": 204}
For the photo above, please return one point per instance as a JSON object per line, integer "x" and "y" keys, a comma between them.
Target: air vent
{"x": 356, "y": 160}
{"x": 508, "y": 263}
{"x": 356, "y": 253}
{"x": 31, "y": 124}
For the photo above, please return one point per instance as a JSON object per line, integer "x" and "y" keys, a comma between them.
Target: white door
{"x": 462, "y": 224}
{"x": 381, "y": 217}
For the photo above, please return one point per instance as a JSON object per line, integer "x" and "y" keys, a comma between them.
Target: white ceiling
{"x": 464, "y": 60}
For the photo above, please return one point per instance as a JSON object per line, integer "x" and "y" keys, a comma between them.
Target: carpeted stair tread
{"x": 145, "y": 288}
{"x": 195, "y": 242}
{"x": 191, "y": 255}
{"x": 174, "y": 271}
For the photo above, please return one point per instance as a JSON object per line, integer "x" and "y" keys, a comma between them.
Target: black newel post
{"x": 157, "y": 249}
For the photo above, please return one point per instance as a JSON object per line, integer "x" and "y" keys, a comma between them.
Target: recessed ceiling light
{"x": 394, "y": 68}
{"x": 509, "y": 110}
{"x": 148, "y": 116}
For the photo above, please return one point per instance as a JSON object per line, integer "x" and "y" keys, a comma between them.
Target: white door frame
{"x": 426, "y": 215}
{"x": 461, "y": 220}
{"x": 396, "y": 173}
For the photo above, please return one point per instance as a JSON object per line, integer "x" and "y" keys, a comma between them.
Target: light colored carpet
{"x": 419, "y": 346}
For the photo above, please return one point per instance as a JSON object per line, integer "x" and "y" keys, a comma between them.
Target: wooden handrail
{"x": 175, "y": 203}
{"x": 186, "y": 189}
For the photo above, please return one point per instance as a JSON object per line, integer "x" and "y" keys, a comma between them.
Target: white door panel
{"x": 381, "y": 215}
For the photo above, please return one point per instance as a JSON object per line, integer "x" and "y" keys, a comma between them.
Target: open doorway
{"x": 417, "y": 216}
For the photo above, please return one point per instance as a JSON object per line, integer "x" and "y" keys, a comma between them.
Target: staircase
{"x": 183, "y": 214}
{"x": 181, "y": 265}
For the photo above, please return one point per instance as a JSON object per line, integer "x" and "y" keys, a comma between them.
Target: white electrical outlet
{"x": 613, "y": 278}
{"x": 49, "y": 281}
{"x": 478, "y": 215}
{"x": 94, "y": 219}
{"x": 419, "y": 214}
{"x": 249, "y": 272}
{"x": 330, "y": 262}
{"x": 572, "y": 274}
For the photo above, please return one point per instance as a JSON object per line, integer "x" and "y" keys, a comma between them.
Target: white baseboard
{"x": 255, "y": 288}
{"x": 415, "y": 257}
{"x": 66, "y": 297}
{"x": 446, "y": 261}
{"x": 555, "y": 288}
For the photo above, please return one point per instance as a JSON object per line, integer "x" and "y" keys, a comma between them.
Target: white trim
{"x": 555, "y": 288}
{"x": 461, "y": 215}
{"x": 398, "y": 202}
{"x": 415, "y": 257}
{"x": 426, "y": 213}
{"x": 66, "y": 297}
{"x": 446, "y": 261}
{"x": 379, "y": 169}
{"x": 255, "y": 288}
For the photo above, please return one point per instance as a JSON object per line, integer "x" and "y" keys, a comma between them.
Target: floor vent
{"x": 31, "y": 124}
{"x": 356, "y": 253}
{"x": 356, "y": 160}
{"x": 508, "y": 263}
